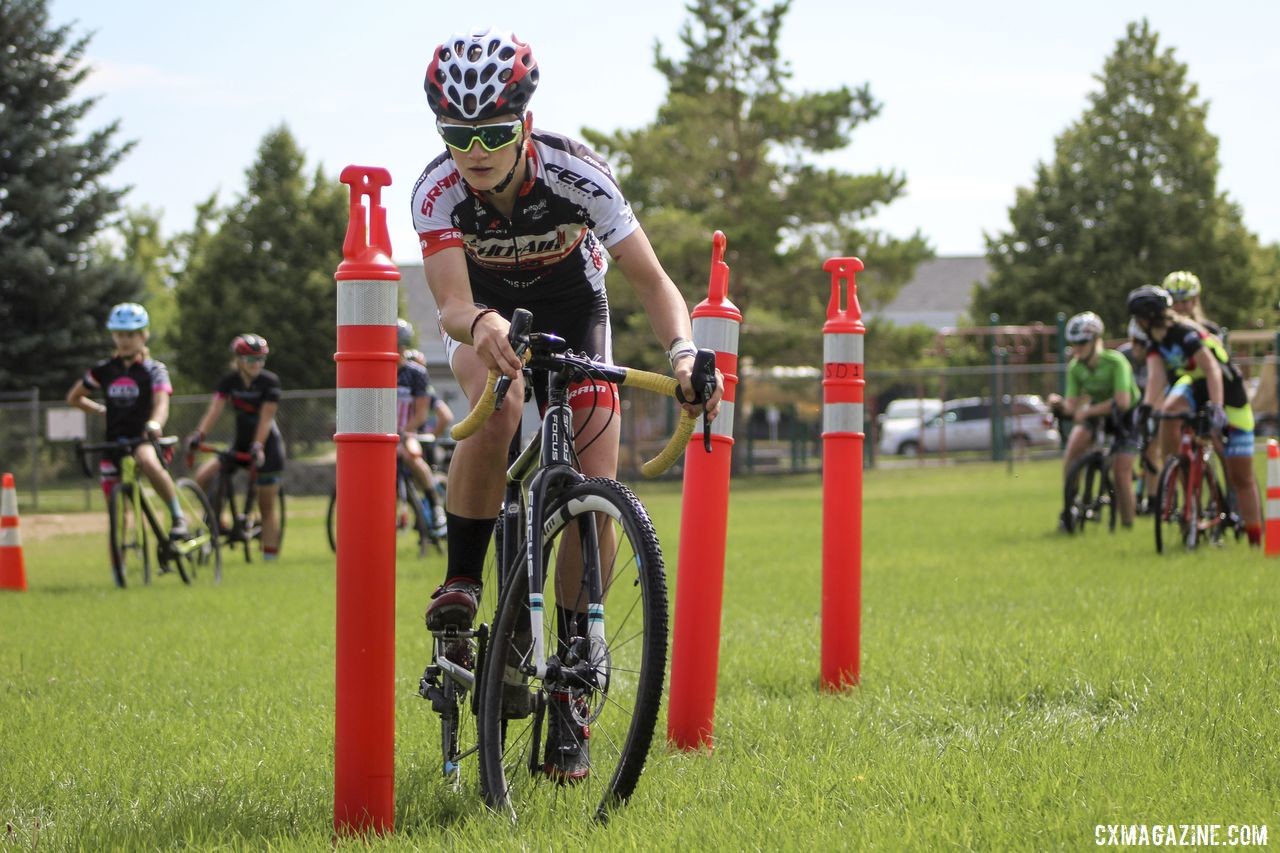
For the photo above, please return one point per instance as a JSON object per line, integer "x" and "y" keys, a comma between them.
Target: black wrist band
{"x": 476, "y": 319}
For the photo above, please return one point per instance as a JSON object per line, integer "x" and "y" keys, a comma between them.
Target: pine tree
{"x": 1130, "y": 196}
{"x": 55, "y": 290}
{"x": 732, "y": 149}
{"x": 267, "y": 268}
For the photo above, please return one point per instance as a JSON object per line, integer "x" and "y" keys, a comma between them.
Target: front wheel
{"x": 1082, "y": 486}
{"x": 128, "y": 538}
{"x": 597, "y": 704}
{"x": 200, "y": 554}
{"x": 1171, "y": 506}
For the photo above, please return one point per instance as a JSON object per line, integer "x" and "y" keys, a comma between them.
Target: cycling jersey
{"x": 1138, "y": 366}
{"x": 1178, "y": 350}
{"x": 129, "y": 390}
{"x": 247, "y": 401}
{"x": 1111, "y": 375}
{"x": 411, "y": 385}
{"x": 568, "y": 211}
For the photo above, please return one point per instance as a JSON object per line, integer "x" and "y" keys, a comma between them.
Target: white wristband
{"x": 680, "y": 347}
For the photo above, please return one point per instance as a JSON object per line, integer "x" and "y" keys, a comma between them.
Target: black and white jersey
{"x": 568, "y": 212}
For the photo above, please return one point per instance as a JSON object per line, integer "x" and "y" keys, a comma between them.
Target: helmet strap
{"x": 505, "y": 182}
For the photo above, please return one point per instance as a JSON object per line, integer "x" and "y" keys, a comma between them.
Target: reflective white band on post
{"x": 716, "y": 333}
{"x": 842, "y": 349}
{"x": 1273, "y": 508}
{"x": 722, "y": 425}
{"x": 367, "y": 303}
{"x": 370, "y": 411}
{"x": 842, "y": 417}
{"x": 9, "y": 537}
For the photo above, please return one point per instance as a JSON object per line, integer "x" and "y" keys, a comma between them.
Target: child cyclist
{"x": 254, "y": 393}
{"x": 1101, "y": 394}
{"x": 135, "y": 390}
{"x": 1182, "y": 349}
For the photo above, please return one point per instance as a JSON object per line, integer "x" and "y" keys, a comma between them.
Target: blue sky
{"x": 974, "y": 94}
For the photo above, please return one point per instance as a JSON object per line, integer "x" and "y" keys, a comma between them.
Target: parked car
{"x": 909, "y": 408}
{"x": 965, "y": 424}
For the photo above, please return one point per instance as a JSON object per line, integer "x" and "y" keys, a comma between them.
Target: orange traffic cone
{"x": 13, "y": 574}
{"x": 1273, "y": 498}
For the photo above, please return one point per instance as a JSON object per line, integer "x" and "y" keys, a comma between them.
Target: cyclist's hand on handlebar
{"x": 490, "y": 342}
{"x": 683, "y": 371}
{"x": 1217, "y": 418}
{"x": 258, "y": 453}
{"x": 192, "y": 441}
{"x": 153, "y": 430}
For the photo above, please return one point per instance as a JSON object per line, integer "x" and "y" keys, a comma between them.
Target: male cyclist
{"x": 512, "y": 217}
{"x": 254, "y": 393}
{"x": 413, "y": 391}
{"x": 1183, "y": 349}
{"x": 136, "y": 391}
{"x": 1100, "y": 395}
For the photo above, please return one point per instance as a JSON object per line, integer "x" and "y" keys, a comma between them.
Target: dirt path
{"x": 43, "y": 525}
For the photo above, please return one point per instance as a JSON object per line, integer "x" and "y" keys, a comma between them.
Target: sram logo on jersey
{"x": 433, "y": 194}
{"x": 529, "y": 250}
{"x": 578, "y": 182}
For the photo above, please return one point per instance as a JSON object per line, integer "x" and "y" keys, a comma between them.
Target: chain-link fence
{"x": 778, "y": 424}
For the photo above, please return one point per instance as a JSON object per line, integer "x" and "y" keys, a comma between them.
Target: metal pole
{"x": 35, "y": 447}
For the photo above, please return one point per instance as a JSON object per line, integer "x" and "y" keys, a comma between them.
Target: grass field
{"x": 1019, "y": 688}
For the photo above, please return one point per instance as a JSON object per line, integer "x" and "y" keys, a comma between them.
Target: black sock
{"x": 468, "y": 544}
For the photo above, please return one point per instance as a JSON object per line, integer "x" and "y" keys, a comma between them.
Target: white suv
{"x": 965, "y": 424}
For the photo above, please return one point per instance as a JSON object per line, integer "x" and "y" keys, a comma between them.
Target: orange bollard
{"x": 13, "y": 572}
{"x": 364, "y": 719}
{"x": 695, "y": 647}
{"x": 1273, "y": 498}
{"x": 842, "y": 444}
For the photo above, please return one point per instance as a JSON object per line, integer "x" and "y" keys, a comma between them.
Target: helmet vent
{"x": 474, "y": 52}
{"x": 505, "y": 75}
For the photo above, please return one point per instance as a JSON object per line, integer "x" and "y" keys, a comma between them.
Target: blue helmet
{"x": 128, "y": 317}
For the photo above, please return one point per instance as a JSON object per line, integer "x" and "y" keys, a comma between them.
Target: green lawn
{"x": 1019, "y": 688}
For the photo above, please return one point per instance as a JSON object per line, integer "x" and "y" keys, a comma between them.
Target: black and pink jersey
{"x": 567, "y": 213}
{"x": 247, "y": 401}
{"x": 128, "y": 392}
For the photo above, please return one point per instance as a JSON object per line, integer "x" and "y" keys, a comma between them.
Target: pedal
{"x": 429, "y": 689}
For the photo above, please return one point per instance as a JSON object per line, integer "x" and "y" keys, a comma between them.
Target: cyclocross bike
{"x": 134, "y": 511}
{"x": 245, "y": 515}
{"x": 1191, "y": 503}
{"x": 1088, "y": 490}
{"x": 412, "y": 513}
{"x": 581, "y": 614}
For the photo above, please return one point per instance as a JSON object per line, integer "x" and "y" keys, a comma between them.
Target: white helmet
{"x": 1137, "y": 333}
{"x": 1083, "y": 328}
{"x": 480, "y": 75}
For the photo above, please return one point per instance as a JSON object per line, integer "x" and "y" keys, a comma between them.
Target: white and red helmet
{"x": 480, "y": 75}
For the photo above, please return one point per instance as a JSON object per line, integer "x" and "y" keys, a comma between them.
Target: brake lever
{"x": 703, "y": 376}
{"x": 518, "y": 337}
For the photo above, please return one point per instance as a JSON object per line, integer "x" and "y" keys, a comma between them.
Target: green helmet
{"x": 1182, "y": 285}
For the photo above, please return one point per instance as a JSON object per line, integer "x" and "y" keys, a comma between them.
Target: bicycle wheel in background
{"x": 1213, "y": 509}
{"x": 419, "y": 516}
{"x": 223, "y": 502}
{"x": 128, "y": 539}
{"x": 1171, "y": 502}
{"x": 201, "y": 552}
{"x": 599, "y": 712}
{"x": 332, "y": 524}
{"x": 1080, "y": 491}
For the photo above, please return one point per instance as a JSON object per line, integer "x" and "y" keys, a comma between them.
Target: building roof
{"x": 938, "y": 294}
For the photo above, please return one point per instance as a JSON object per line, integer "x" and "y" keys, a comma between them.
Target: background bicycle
{"x": 1191, "y": 502}
{"x": 571, "y": 673}
{"x": 415, "y": 509}
{"x": 135, "y": 533}
{"x": 239, "y": 516}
